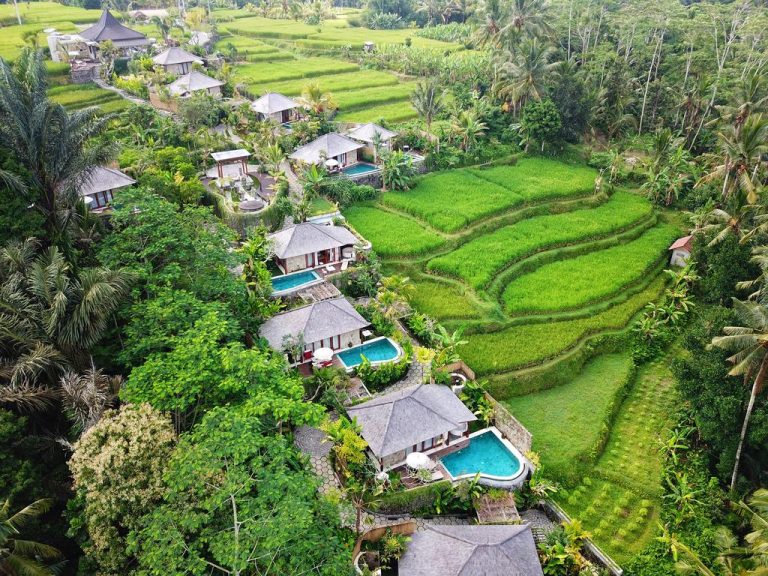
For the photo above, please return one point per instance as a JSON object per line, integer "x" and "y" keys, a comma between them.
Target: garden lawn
{"x": 444, "y": 300}
{"x": 540, "y": 178}
{"x": 479, "y": 260}
{"x": 391, "y": 234}
{"x": 619, "y": 503}
{"x": 451, "y": 200}
{"x": 321, "y": 205}
{"x": 576, "y": 282}
{"x": 566, "y": 421}
{"x": 520, "y": 346}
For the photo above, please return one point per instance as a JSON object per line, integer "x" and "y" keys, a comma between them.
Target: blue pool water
{"x": 359, "y": 168}
{"x": 485, "y": 454}
{"x": 376, "y": 351}
{"x": 289, "y": 281}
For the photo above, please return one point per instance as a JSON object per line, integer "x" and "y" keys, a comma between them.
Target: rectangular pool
{"x": 487, "y": 455}
{"x": 288, "y": 282}
{"x": 359, "y": 169}
{"x": 377, "y": 351}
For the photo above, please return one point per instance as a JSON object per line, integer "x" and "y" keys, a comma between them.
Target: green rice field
{"x": 390, "y": 233}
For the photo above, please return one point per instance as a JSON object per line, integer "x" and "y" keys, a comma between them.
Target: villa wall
{"x": 511, "y": 427}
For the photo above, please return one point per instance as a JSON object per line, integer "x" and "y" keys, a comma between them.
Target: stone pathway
{"x": 310, "y": 441}
{"x": 540, "y": 524}
{"x": 294, "y": 186}
{"x": 135, "y": 99}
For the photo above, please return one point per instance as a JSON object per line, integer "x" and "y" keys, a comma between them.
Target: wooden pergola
{"x": 229, "y": 157}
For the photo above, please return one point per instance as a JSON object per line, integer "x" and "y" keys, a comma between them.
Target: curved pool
{"x": 488, "y": 454}
{"x": 378, "y": 350}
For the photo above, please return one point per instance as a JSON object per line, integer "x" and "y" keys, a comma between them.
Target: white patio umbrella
{"x": 417, "y": 461}
{"x": 323, "y": 355}
{"x": 331, "y": 163}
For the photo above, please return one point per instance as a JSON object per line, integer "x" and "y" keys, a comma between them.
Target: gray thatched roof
{"x": 108, "y": 28}
{"x": 505, "y": 550}
{"x": 101, "y": 179}
{"x": 366, "y": 132}
{"x": 307, "y": 238}
{"x": 318, "y": 321}
{"x": 326, "y": 146}
{"x": 272, "y": 103}
{"x": 193, "y": 82}
{"x": 175, "y": 55}
{"x": 402, "y": 419}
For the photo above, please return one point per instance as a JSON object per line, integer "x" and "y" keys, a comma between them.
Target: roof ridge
{"x": 427, "y": 406}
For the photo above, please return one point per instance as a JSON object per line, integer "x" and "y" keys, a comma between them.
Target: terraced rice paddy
{"x": 538, "y": 270}
{"x": 273, "y": 57}
{"x": 75, "y": 97}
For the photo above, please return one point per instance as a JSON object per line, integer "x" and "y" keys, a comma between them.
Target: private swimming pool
{"x": 359, "y": 169}
{"x": 495, "y": 459}
{"x": 377, "y": 351}
{"x": 289, "y": 282}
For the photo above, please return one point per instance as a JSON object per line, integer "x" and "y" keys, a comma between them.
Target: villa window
{"x": 427, "y": 444}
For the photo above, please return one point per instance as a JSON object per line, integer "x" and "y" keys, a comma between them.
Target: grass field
{"x": 447, "y": 200}
{"x": 477, "y": 261}
{"x": 577, "y": 282}
{"x": 392, "y": 234}
{"x": 570, "y": 426}
{"x": 444, "y": 300}
{"x": 74, "y": 97}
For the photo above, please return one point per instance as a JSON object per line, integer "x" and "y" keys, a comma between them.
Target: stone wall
{"x": 511, "y": 427}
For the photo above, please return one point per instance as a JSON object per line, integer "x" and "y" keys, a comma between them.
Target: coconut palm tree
{"x": 51, "y": 145}
{"x": 742, "y": 149}
{"x": 428, "y": 98}
{"x": 468, "y": 128}
{"x": 750, "y": 98}
{"x": 313, "y": 98}
{"x": 25, "y": 557}
{"x": 51, "y": 319}
{"x": 523, "y": 72}
{"x": 492, "y": 14}
{"x": 749, "y": 344}
{"x": 527, "y": 18}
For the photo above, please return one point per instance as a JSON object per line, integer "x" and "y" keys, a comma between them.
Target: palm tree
{"x": 742, "y": 149}
{"x": 427, "y": 98}
{"x": 468, "y": 127}
{"x": 749, "y": 344}
{"x": 522, "y": 73}
{"x": 24, "y": 557}
{"x": 313, "y": 98}
{"x": 51, "y": 319}
{"x": 50, "y": 144}
{"x": 750, "y": 98}
{"x": 529, "y": 18}
{"x": 492, "y": 14}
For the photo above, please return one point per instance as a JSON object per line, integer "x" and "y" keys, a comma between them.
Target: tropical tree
{"x": 491, "y": 14}
{"x": 524, "y": 71}
{"x": 317, "y": 101}
{"x": 51, "y": 319}
{"x": 427, "y": 98}
{"x": 19, "y": 556}
{"x": 52, "y": 147}
{"x": 468, "y": 128}
{"x": 527, "y": 18}
{"x": 749, "y": 344}
{"x": 312, "y": 178}
{"x": 397, "y": 170}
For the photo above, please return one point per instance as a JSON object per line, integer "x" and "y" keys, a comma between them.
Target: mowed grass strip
{"x": 566, "y": 421}
{"x": 390, "y": 234}
{"x": 335, "y": 84}
{"x": 261, "y": 73}
{"x": 453, "y": 199}
{"x": 540, "y": 178}
{"x": 576, "y": 282}
{"x": 478, "y": 261}
{"x": 521, "y": 346}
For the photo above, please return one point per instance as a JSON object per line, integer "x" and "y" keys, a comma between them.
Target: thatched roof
{"x": 308, "y": 237}
{"x": 108, "y": 28}
{"x": 272, "y": 103}
{"x": 101, "y": 179}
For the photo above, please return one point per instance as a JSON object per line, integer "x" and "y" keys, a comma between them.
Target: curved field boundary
{"x": 478, "y": 261}
{"x": 524, "y": 346}
{"x": 549, "y": 255}
{"x": 577, "y": 282}
{"x": 489, "y": 225}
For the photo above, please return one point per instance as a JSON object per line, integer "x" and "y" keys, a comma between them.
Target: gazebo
{"x": 230, "y": 158}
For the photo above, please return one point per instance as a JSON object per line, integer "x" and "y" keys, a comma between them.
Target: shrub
{"x": 379, "y": 377}
{"x": 345, "y": 192}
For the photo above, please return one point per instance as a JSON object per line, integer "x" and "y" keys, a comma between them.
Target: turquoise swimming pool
{"x": 377, "y": 351}
{"x": 292, "y": 281}
{"x": 486, "y": 455}
{"x": 359, "y": 168}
